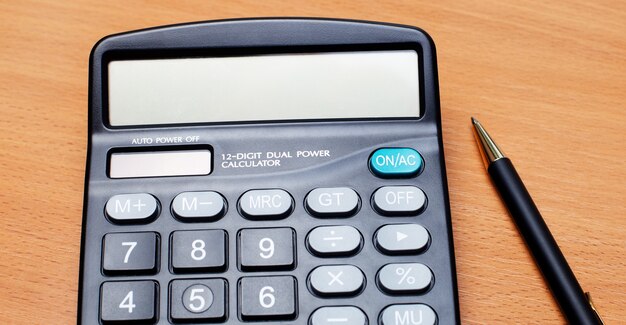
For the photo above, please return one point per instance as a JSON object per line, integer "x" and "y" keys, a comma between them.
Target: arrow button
{"x": 399, "y": 239}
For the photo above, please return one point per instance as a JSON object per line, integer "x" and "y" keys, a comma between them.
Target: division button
{"x": 401, "y": 239}
{"x": 132, "y": 208}
{"x": 342, "y": 315}
{"x": 336, "y": 280}
{"x": 198, "y": 300}
{"x": 334, "y": 240}
{"x": 405, "y": 278}
{"x": 396, "y": 163}
{"x": 267, "y": 298}
{"x": 199, "y": 206}
{"x": 332, "y": 202}
{"x": 408, "y": 314}
{"x": 399, "y": 200}
{"x": 266, "y": 204}
{"x": 129, "y": 301}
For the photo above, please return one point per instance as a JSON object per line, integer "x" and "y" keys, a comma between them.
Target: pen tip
{"x": 490, "y": 150}
{"x": 474, "y": 121}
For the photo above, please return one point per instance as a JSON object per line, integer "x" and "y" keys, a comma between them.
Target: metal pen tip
{"x": 491, "y": 151}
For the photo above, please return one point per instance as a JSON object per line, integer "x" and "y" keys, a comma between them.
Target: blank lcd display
{"x": 333, "y": 85}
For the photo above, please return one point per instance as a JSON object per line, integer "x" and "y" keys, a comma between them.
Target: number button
{"x": 266, "y": 249}
{"x": 267, "y": 298}
{"x": 198, "y": 251}
{"x": 128, "y": 301}
{"x": 130, "y": 253}
{"x": 198, "y": 300}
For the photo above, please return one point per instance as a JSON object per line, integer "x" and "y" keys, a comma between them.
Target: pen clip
{"x": 593, "y": 307}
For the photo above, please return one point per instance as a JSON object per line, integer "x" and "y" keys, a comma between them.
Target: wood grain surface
{"x": 546, "y": 78}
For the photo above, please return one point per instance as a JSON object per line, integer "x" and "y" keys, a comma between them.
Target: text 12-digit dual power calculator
{"x": 285, "y": 171}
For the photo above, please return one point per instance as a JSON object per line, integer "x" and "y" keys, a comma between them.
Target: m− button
{"x": 132, "y": 208}
{"x": 199, "y": 206}
{"x": 399, "y": 200}
{"x": 266, "y": 204}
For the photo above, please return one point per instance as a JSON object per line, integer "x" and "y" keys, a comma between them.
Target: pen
{"x": 576, "y": 306}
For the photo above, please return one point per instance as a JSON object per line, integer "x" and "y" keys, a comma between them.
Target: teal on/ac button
{"x": 396, "y": 162}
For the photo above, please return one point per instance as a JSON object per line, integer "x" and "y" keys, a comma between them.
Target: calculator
{"x": 276, "y": 171}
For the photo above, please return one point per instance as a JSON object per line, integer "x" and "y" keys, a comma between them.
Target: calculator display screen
{"x": 333, "y": 85}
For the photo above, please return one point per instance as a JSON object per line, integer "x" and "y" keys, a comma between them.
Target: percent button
{"x": 405, "y": 278}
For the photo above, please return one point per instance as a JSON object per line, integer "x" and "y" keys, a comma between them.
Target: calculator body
{"x": 274, "y": 186}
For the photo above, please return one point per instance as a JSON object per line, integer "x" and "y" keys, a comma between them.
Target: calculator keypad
{"x": 263, "y": 255}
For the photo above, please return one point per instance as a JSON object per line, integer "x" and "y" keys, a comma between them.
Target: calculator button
{"x": 128, "y": 301}
{"x": 334, "y": 240}
{"x": 198, "y": 300}
{"x": 401, "y": 238}
{"x": 133, "y": 252}
{"x": 267, "y": 298}
{"x": 265, "y": 204}
{"x": 399, "y": 200}
{"x": 199, "y": 206}
{"x": 132, "y": 208}
{"x": 342, "y": 315}
{"x": 405, "y": 278}
{"x": 266, "y": 249}
{"x": 336, "y": 280}
{"x": 408, "y": 314}
{"x": 198, "y": 251}
{"x": 396, "y": 163}
{"x": 332, "y": 202}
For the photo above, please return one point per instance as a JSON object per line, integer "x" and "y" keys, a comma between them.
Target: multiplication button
{"x": 337, "y": 280}
{"x": 334, "y": 240}
{"x": 198, "y": 300}
{"x": 268, "y": 298}
{"x": 399, "y": 200}
{"x": 403, "y": 278}
{"x": 339, "y": 315}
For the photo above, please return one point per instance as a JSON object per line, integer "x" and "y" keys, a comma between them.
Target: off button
{"x": 396, "y": 163}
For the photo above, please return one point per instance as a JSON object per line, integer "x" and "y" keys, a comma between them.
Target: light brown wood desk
{"x": 547, "y": 78}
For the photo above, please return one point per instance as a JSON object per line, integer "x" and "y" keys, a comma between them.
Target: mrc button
{"x": 399, "y": 200}
{"x": 396, "y": 163}
{"x": 266, "y": 204}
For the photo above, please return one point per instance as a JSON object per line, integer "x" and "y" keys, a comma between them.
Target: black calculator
{"x": 281, "y": 171}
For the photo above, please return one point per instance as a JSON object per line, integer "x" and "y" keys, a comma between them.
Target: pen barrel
{"x": 546, "y": 252}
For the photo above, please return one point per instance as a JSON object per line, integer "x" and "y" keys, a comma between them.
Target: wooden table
{"x": 547, "y": 78}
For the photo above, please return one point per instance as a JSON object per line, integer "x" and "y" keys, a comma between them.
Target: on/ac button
{"x": 396, "y": 162}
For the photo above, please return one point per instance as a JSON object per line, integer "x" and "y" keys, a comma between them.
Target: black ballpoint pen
{"x": 576, "y": 306}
